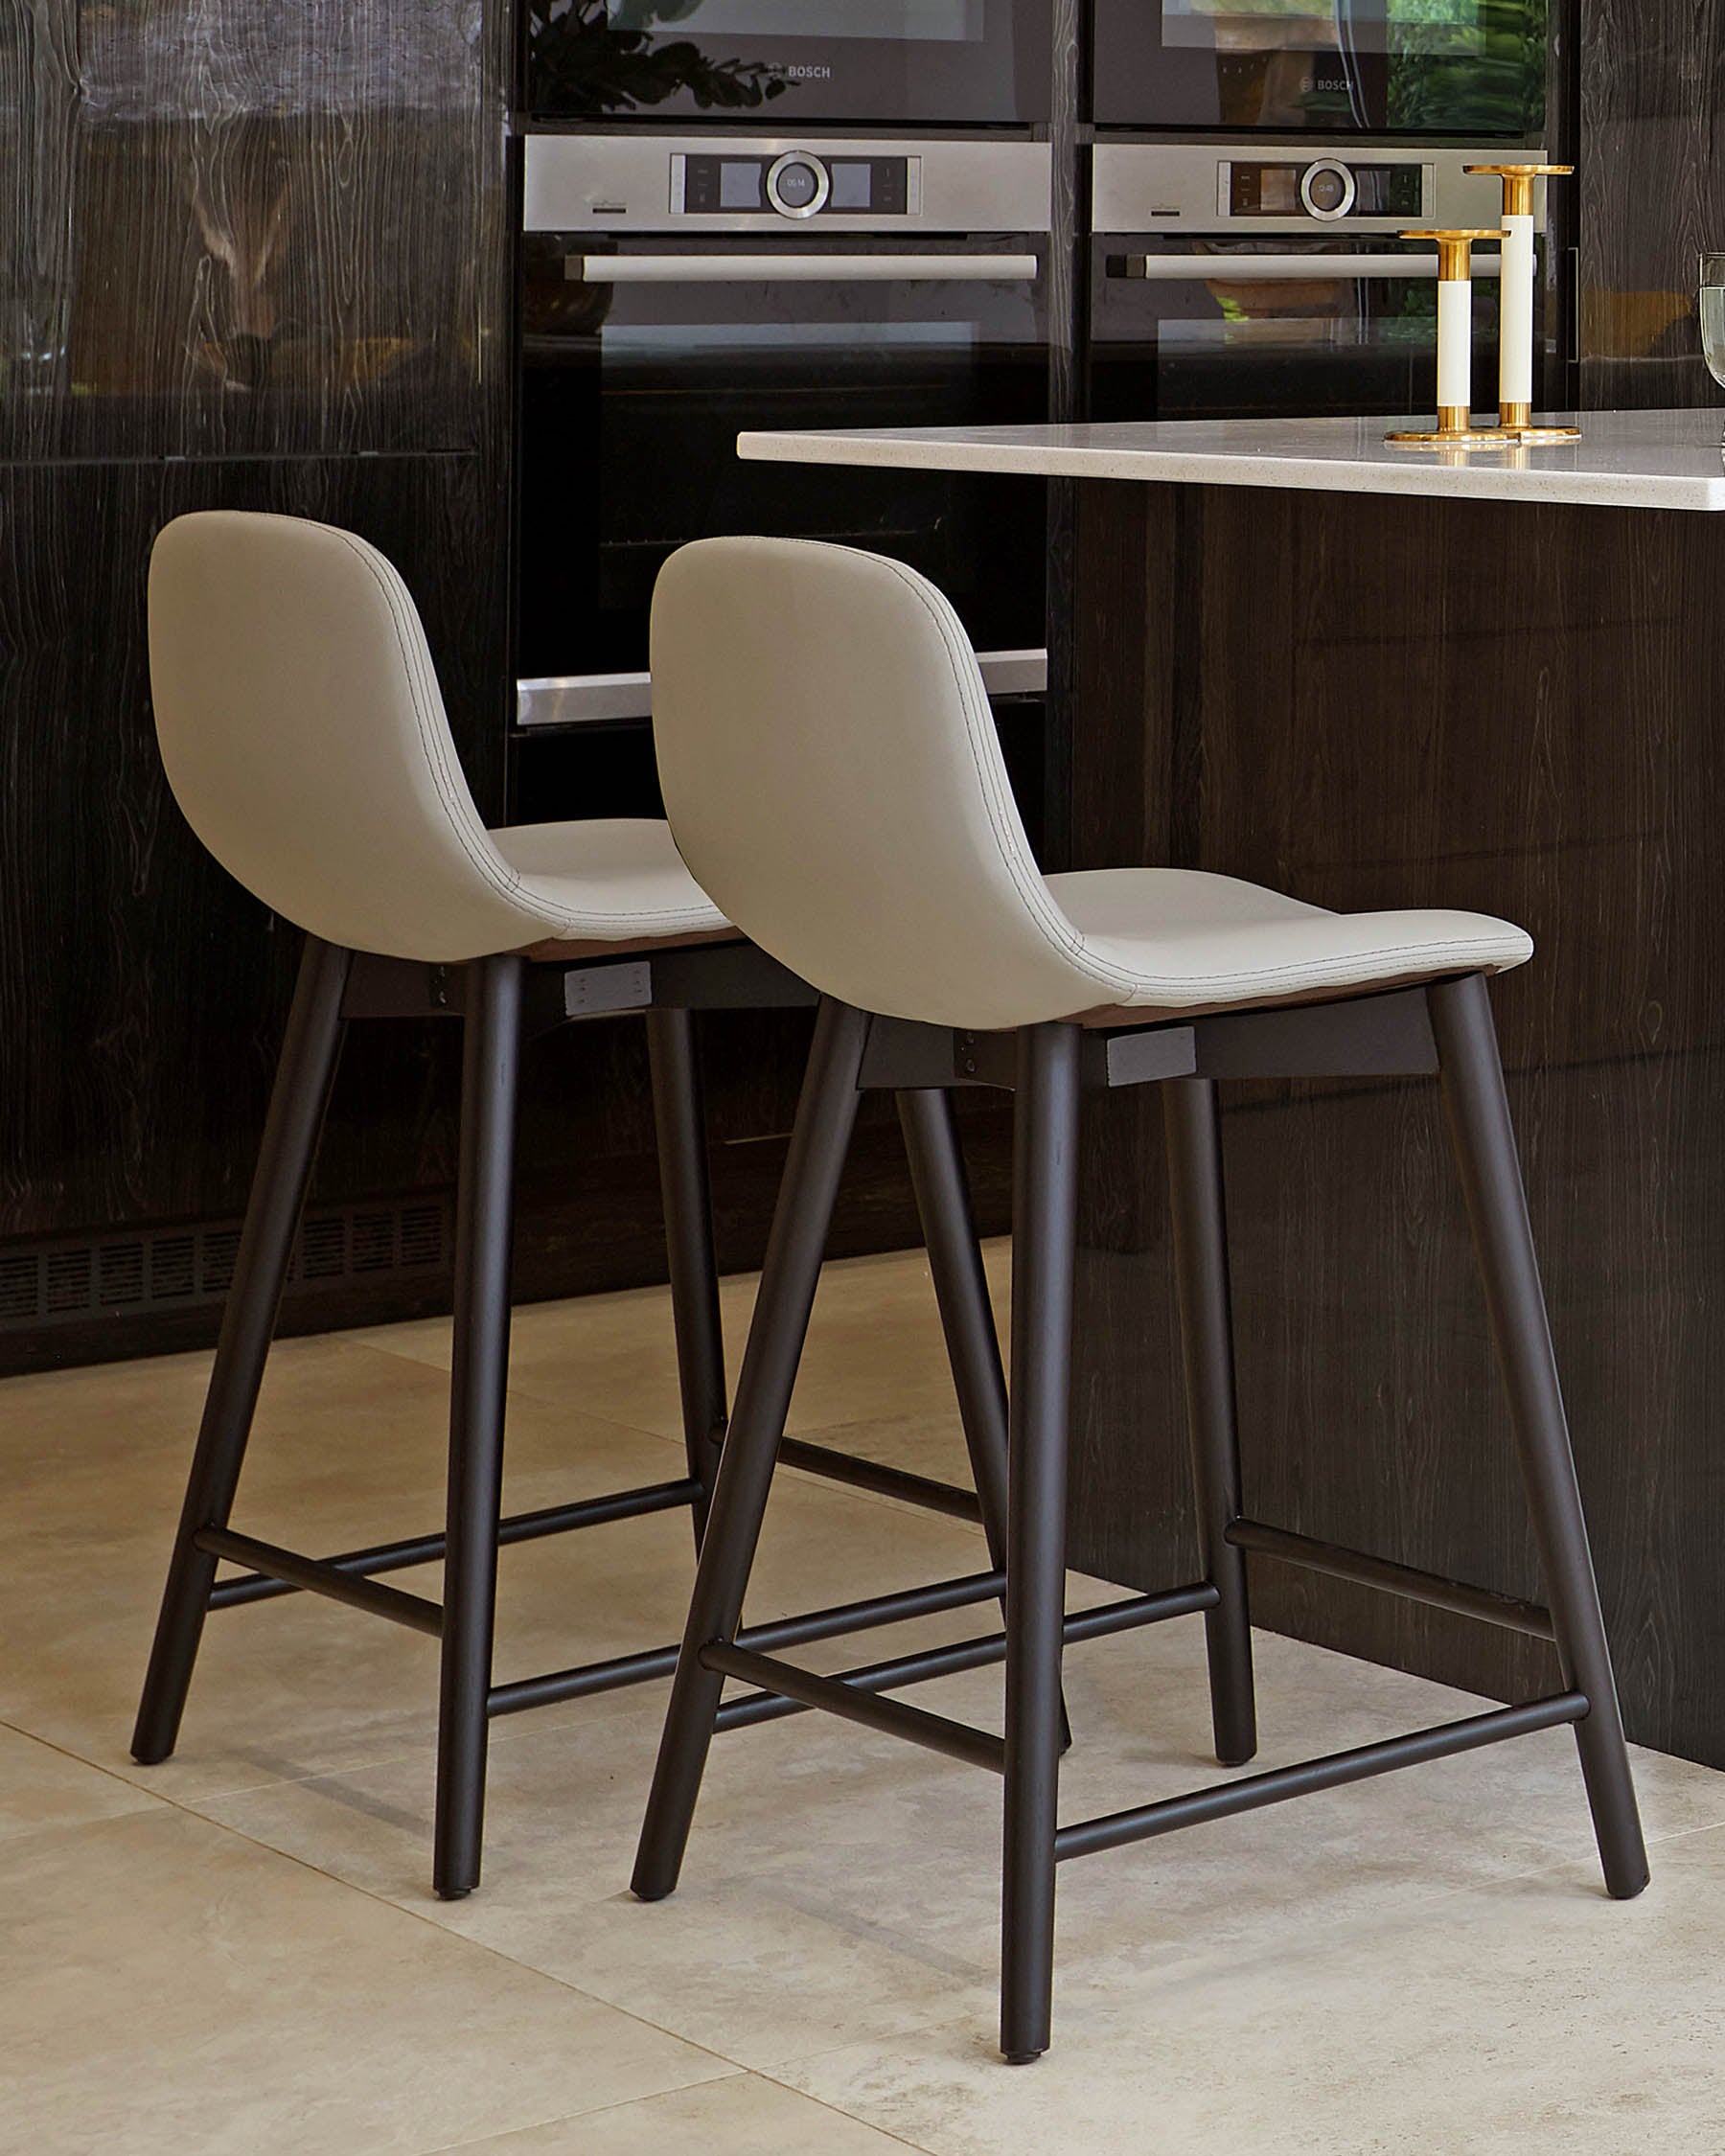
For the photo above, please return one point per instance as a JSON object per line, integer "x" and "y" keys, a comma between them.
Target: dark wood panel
{"x": 141, "y": 991}
{"x": 1652, "y": 182}
{"x": 252, "y": 227}
{"x": 580, "y": 1229}
{"x": 1351, "y": 698}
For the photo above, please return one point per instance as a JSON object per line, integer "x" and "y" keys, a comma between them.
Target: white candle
{"x": 1516, "y": 320}
{"x": 1455, "y": 343}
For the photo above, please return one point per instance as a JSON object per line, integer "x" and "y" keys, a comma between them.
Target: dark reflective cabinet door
{"x": 972, "y": 62}
{"x": 1471, "y": 67}
{"x": 635, "y": 390}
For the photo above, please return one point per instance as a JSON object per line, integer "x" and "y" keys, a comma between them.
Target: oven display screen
{"x": 887, "y": 21}
{"x": 862, "y": 186}
{"x": 1273, "y": 190}
{"x": 1399, "y": 27}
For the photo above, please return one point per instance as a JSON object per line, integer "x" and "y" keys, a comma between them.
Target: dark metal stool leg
{"x": 1045, "y": 1202}
{"x": 1206, "y": 1330}
{"x": 477, "y": 1382}
{"x": 825, "y": 1117}
{"x": 297, "y": 1103}
{"x": 681, "y": 1125}
{"x": 948, "y": 1225}
{"x": 943, "y": 1201}
{"x": 1485, "y": 1152}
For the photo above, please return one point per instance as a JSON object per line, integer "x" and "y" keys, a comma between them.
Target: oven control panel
{"x": 741, "y": 183}
{"x": 1210, "y": 187}
{"x": 1326, "y": 189}
{"x": 797, "y": 183}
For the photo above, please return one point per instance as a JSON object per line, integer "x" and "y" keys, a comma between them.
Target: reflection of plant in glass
{"x": 1498, "y": 79}
{"x": 645, "y": 14}
{"x": 583, "y": 60}
{"x": 1435, "y": 26}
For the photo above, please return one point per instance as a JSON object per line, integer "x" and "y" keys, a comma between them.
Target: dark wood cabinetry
{"x": 260, "y": 254}
{"x": 253, "y": 255}
{"x": 1377, "y": 702}
{"x": 1652, "y": 112}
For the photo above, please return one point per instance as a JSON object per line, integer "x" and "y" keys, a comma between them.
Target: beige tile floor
{"x": 239, "y": 1950}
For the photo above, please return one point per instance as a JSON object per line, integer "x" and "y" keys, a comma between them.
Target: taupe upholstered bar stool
{"x": 305, "y": 738}
{"x": 833, "y": 778}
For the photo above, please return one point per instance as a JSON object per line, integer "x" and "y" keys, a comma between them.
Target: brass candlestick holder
{"x": 1515, "y": 312}
{"x": 1455, "y": 429}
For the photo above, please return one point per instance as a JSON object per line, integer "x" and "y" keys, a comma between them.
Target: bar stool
{"x": 305, "y": 738}
{"x": 833, "y": 779}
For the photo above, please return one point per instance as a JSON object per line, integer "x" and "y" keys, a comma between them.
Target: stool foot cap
{"x": 1020, "y": 2058}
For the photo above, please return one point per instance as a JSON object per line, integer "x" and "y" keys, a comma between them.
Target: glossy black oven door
{"x": 948, "y": 62}
{"x": 1258, "y": 329}
{"x": 1335, "y": 67}
{"x": 640, "y": 374}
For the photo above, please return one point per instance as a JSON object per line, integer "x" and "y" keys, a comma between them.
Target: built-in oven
{"x": 1470, "y": 68}
{"x": 678, "y": 292}
{"x": 791, "y": 63}
{"x": 1234, "y": 281}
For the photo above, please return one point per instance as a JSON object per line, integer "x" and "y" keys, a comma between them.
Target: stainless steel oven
{"x": 859, "y": 63}
{"x": 1240, "y": 281}
{"x": 1470, "y": 68}
{"x": 679, "y": 291}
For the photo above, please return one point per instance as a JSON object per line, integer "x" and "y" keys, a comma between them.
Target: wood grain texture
{"x": 1652, "y": 196}
{"x": 256, "y": 256}
{"x": 1346, "y": 699}
{"x": 141, "y": 991}
{"x": 260, "y": 253}
{"x": 252, "y": 227}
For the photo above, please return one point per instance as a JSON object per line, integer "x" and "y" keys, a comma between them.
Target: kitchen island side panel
{"x": 1370, "y": 701}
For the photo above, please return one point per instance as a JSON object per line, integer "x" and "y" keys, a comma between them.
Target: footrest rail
{"x": 871, "y": 1613}
{"x": 968, "y": 1654}
{"x": 428, "y": 1549}
{"x": 1253, "y": 1792}
{"x": 315, "y": 1577}
{"x": 859, "y": 1474}
{"x": 1334, "y": 1559}
{"x": 957, "y": 1740}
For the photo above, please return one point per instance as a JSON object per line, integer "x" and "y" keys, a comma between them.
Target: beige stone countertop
{"x": 1623, "y": 460}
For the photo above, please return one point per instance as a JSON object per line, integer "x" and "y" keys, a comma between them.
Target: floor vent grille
{"x": 69, "y": 1282}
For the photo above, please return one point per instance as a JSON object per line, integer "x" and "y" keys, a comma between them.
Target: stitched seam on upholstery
{"x": 434, "y": 741}
{"x": 453, "y": 788}
{"x": 1417, "y": 955}
{"x": 1074, "y": 952}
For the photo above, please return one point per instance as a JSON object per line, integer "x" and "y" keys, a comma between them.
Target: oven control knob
{"x": 1328, "y": 190}
{"x": 797, "y": 185}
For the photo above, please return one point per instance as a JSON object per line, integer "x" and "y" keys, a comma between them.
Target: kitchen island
{"x": 1376, "y": 677}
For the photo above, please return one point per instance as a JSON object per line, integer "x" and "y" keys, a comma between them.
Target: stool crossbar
{"x": 501, "y": 999}
{"x": 833, "y": 776}
{"x": 305, "y": 738}
{"x": 1444, "y": 1028}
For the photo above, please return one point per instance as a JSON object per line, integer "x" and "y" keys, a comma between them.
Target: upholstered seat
{"x": 850, "y": 680}
{"x": 832, "y": 772}
{"x": 305, "y": 738}
{"x": 330, "y": 788}
{"x": 1180, "y": 939}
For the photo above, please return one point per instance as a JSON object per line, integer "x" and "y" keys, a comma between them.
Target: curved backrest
{"x": 305, "y": 738}
{"x": 834, "y": 780}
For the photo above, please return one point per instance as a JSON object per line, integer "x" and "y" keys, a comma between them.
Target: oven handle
{"x": 1286, "y": 269}
{"x": 575, "y": 699}
{"x": 801, "y": 269}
